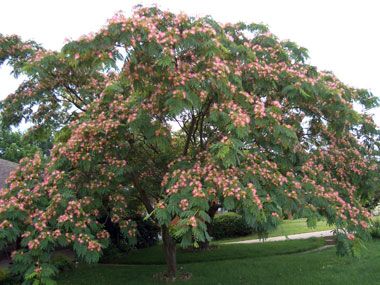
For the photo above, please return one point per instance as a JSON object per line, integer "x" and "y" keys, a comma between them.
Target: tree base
{"x": 164, "y": 277}
{"x": 199, "y": 249}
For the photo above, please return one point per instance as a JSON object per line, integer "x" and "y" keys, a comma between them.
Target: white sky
{"x": 341, "y": 36}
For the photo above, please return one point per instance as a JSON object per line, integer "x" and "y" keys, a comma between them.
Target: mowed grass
{"x": 323, "y": 267}
{"x": 287, "y": 227}
{"x": 155, "y": 255}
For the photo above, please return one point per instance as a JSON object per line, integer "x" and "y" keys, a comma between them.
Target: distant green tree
{"x": 15, "y": 145}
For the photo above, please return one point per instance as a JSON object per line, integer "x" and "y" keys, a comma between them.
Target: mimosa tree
{"x": 188, "y": 115}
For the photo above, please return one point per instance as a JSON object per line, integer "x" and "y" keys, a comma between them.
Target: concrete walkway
{"x": 289, "y": 237}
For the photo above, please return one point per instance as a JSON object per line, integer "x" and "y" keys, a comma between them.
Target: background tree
{"x": 14, "y": 145}
{"x": 185, "y": 114}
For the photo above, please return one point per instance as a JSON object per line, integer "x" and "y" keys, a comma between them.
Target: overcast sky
{"x": 341, "y": 36}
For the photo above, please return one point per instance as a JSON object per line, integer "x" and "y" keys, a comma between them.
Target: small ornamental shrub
{"x": 62, "y": 261}
{"x": 147, "y": 233}
{"x": 229, "y": 225}
{"x": 375, "y": 229}
{"x": 110, "y": 252}
{"x": 4, "y": 276}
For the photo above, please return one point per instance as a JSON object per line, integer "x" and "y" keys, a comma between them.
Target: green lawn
{"x": 262, "y": 267}
{"x": 287, "y": 227}
{"x": 155, "y": 256}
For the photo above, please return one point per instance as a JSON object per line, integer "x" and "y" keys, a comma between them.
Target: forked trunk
{"x": 169, "y": 245}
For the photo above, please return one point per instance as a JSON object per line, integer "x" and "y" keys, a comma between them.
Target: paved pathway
{"x": 289, "y": 237}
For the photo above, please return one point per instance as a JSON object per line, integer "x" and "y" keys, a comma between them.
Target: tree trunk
{"x": 169, "y": 245}
{"x": 289, "y": 215}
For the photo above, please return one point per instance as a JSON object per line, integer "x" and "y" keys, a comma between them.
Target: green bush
{"x": 111, "y": 251}
{"x": 375, "y": 229}
{"x": 147, "y": 236}
{"x": 4, "y": 276}
{"x": 62, "y": 261}
{"x": 147, "y": 232}
{"x": 229, "y": 225}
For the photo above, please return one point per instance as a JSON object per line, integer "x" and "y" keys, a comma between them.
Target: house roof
{"x": 5, "y": 168}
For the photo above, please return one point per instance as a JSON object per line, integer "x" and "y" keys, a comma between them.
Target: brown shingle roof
{"x": 5, "y": 168}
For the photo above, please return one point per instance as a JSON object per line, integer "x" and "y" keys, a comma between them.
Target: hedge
{"x": 229, "y": 225}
